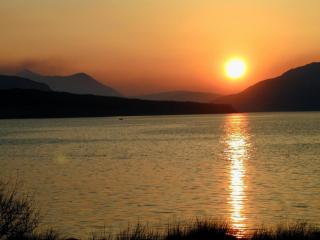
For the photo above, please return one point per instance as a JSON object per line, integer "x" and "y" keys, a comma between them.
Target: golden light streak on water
{"x": 237, "y": 148}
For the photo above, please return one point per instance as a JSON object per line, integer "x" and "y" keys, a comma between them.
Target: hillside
{"x": 79, "y": 83}
{"x": 19, "y": 103}
{"x": 12, "y": 82}
{"x": 182, "y": 96}
{"x": 296, "y": 90}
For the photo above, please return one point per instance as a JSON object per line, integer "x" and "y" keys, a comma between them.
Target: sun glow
{"x": 235, "y": 68}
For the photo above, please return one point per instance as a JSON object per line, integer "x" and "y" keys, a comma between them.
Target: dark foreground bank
{"x": 20, "y": 219}
{"x": 22, "y": 103}
{"x": 206, "y": 229}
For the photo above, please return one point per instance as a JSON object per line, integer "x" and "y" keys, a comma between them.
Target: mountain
{"x": 296, "y": 90}
{"x": 12, "y": 82}
{"x": 181, "y": 96}
{"x": 19, "y": 103}
{"x": 79, "y": 83}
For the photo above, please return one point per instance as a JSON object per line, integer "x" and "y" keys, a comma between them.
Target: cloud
{"x": 38, "y": 65}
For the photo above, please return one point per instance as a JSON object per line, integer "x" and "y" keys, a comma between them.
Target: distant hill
{"x": 296, "y": 90}
{"x": 182, "y": 96}
{"x": 79, "y": 83}
{"x": 12, "y": 82}
{"x": 18, "y": 103}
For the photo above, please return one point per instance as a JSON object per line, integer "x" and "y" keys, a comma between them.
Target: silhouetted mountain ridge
{"x": 14, "y": 82}
{"x": 78, "y": 83}
{"x": 18, "y": 103}
{"x": 295, "y": 90}
{"x": 182, "y": 96}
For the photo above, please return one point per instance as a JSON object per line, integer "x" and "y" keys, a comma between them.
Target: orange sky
{"x": 142, "y": 46}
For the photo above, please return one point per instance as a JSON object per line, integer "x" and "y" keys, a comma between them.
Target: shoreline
{"x": 197, "y": 229}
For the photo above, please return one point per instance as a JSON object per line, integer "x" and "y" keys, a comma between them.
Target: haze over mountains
{"x": 24, "y": 98}
{"x": 296, "y": 90}
{"x": 79, "y": 83}
{"x": 12, "y": 82}
{"x": 182, "y": 96}
{"x": 82, "y": 83}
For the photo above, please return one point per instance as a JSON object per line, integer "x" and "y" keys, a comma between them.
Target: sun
{"x": 235, "y": 68}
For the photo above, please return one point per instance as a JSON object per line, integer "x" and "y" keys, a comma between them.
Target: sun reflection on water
{"x": 237, "y": 152}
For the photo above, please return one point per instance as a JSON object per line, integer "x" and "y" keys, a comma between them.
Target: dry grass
{"x": 19, "y": 219}
{"x": 297, "y": 231}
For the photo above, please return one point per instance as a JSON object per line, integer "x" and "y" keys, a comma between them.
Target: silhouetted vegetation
{"x": 206, "y": 229}
{"x": 298, "y": 231}
{"x": 19, "y": 219}
{"x": 201, "y": 229}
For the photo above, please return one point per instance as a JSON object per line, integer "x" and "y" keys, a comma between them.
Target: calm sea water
{"x": 246, "y": 168}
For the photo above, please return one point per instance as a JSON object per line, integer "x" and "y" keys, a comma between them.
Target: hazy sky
{"x": 140, "y": 46}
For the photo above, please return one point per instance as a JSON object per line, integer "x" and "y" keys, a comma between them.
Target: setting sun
{"x": 235, "y": 68}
